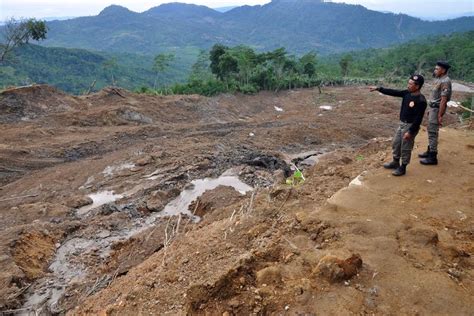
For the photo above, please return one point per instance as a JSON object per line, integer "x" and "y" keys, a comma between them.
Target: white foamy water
{"x": 198, "y": 187}
{"x": 99, "y": 199}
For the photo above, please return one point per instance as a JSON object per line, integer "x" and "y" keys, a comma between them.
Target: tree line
{"x": 242, "y": 69}
{"x": 222, "y": 68}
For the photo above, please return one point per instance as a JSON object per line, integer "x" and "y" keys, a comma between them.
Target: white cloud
{"x": 57, "y": 8}
{"x": 430, "y": 8}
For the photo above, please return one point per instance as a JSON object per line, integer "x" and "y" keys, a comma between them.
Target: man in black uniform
{"x": 411, "y": 115}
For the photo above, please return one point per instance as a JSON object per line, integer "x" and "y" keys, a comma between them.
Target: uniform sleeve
{"x": 421, "y": 108}
{"x": 445, "y": 89}
{"x": 392, "y": 92}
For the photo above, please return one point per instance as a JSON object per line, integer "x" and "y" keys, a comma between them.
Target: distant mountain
{"x": 298, "y": 25}
{"x": 59, "y": 18}
{"x": 225, "y": 9}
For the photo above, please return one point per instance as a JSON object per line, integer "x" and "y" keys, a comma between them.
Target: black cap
{"x": 443, "y": 64}
{"x": 419, "y": 80}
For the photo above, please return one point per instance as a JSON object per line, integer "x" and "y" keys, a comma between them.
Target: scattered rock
{"x": 455, "y": 273}
{"x": 336, "y": 270}
{"x": 215, "y": 199}
{"x": 269, "y": 275}
{"x": 157, "y": 201}
{"x": 78, "y": 201}
{"x": 104, "y": 234}
{"x": 134, "y": 116}
{"x": 144, "y": 161}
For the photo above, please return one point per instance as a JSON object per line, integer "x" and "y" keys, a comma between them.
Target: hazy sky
{"x": 59, "y": 8}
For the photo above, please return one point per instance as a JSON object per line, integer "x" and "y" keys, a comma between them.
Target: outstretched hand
{"x": 373, "y": 88}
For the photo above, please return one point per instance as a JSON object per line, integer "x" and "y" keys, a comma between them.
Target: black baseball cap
{"x": 419, "y": 80}
{"x": 443, "y": 64}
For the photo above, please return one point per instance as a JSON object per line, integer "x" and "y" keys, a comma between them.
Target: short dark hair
{"x": 443, "y": 64}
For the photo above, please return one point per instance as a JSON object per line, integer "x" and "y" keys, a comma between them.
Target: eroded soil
{"x": 87, "y": 180}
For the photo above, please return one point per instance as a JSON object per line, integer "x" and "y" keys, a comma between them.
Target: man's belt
{"x": 434, "y": 105}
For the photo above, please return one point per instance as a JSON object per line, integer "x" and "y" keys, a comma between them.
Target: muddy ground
{"x": 94, "y": 221}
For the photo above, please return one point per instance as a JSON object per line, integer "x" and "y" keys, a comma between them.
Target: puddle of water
{"x": 35, "y": 303}
{"x": 110, "y": 170}
{"x": 65, "y": 269}
{"x": 197, "y": 188}
{"x": 99, "y": 199}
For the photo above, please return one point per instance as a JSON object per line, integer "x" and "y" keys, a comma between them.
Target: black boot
{"x": 392, "y": 165}
{"x": 400, "y": 171}
{"x": 425, "y": 154}
{"x": 432, "y": 159}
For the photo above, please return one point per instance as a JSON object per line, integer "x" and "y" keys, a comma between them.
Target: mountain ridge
{"x": 298, "y": 25}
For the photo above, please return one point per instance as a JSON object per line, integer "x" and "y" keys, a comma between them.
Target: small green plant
{"x": 296, "y": 178}
{"x": 360, "y": 158}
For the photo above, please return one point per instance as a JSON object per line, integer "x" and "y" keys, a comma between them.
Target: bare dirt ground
{"x": 92, "y": 222}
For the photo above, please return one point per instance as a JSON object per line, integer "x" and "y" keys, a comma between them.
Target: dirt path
{"x": 415, "y": 233}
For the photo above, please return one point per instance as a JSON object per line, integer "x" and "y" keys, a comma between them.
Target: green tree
{"x": 200, "y": 69}
{"x": 246, "y": 58}
{"x": 215, "y": 55}
{"x": 19, "y": 32}
{"x": 308, "y": 64}
{"x": 161, "y": 63}
{"x": 345, "y": 63}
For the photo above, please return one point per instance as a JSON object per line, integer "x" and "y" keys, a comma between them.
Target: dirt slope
{"x": 276, "y": 249}
{"x": 414, "y": 235}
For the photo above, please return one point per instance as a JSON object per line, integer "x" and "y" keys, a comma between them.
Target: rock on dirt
{"x": 78, "y": 201}
{"x": 335, "y": 269}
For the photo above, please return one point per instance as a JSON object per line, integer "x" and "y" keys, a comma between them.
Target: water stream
{"x": 48, "y": 291}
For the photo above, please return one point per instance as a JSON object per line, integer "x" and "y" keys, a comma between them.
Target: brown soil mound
{"x": 30, "y": 102}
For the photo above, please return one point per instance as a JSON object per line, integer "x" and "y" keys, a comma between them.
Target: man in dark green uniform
{"x": 440, "y": 96}
{"x": 411, "y": 115}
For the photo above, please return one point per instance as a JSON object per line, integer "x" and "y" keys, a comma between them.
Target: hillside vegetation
{"x": 75, "y": 70}
{"x": 239, "y": 68}
{"x": 243, "y": 69}
{"x": 416, "y": 56}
